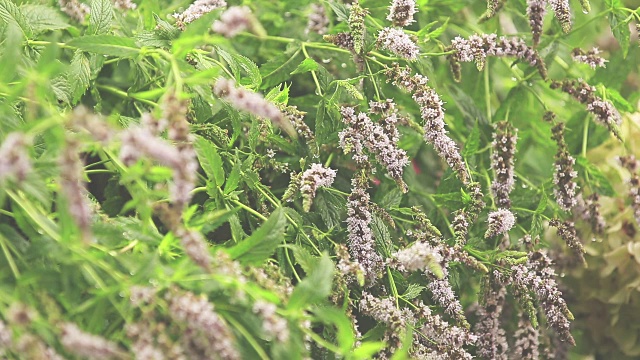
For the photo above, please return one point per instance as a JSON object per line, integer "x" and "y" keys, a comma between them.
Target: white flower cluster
{"x": 275, "y": 326}
{"x": 196, "y": 10}
{"x": 251, "y": 102}
{"x": 234, "y": 20}
{"x": 363, "y": 133}
{"x": 401, "y": 12}
{"x": 502, "y": 159}
{"x": 195, "y": 246}
{"x": 500, "y": 222}
{"x": 313, "y": 178}
{"x": 527, "y": 342}
{"x": 205, "y": 331}
{"x": 82, "y": 344}
{"x": 361, "y": 242}
{"x": 14, "y": 159}
{"x": 492, "y": 339}
{"x": 73, "y": 188}
{"x": 590, "y": 57}
{"x": 75, "y": 9}
{"x": 562, "y": 11}
{"x": 419, "y": 256}
{"x": 478, "y": 47}
{"x": 398, "y": 42}
{"x": 536, "y": 9}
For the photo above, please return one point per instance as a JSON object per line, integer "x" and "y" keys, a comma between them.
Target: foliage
{"x": 315, "y": 179}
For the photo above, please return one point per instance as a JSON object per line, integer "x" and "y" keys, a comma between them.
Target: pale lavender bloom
{"x": 361, "y": 242}
{"x": 234, "y": 20}
{"x": 196, "y": 10}
{"x": 15, "y": 162}
{"x": 254, "y": 103}
{"x": 502, "y": 158}
{"x": 527, "y": 344}
{"x": 590, "y": 57}
{"x": 589, "y": 209}
{"x": 432, "y": 112}
{"x": 536, "y": 9}
{"x": 492, "y": 340}
{"x": 386, "y": 312}
{"x": 500, "y": 222}
{"x": 443, "y": 295}
{"x": 75, "y": 9}
{"x": 87, "y": 345}
{"x": 318, "y": 20}
{"x": 478, "y": 47}
{"x": 313, "y": 178}
{"x": 139, "y": 142}
{"x": 563, "y": 13}
{"x": 361, "y": 133}
{"x": 419, "y": 256}
{"x": 206, "y": 333}
{"x": 565, "y": 190}
{"x": 537, "y": 276}
{"x": 567, "y": 232}
{"x": 31, "y": 347}
{"x": 606, "y": 114}
{"x": 447, "y": 340}
{"x": 6, "y": 337}
{"x": 124, "y": 5}
{"x": 275, "y": 326}
{"x": 143, "y": 346}
{"x": 401, "y": 12}
{"x": 73, "y": 188}
{"x": 85, "y": 120}
{"x": 399, "y": 43}
{"x": 195, "y": 246}
{"x": 141, "y": 295}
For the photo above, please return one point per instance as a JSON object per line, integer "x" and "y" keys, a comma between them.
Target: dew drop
{"x": 514, "y": 79}
{"x": 326, "y": 61}
{"x": 121, "y": 294}
{"x": 562, "y": 275}
{"x": 585, "y": 11}
{"x": 343, "y": 65}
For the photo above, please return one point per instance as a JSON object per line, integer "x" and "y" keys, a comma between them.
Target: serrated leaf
{"x": 107, "y": 45}
{"x": 619, "y": 23}
{"x": 210, "y": 160}
{"x": 306, "y": 65}
{"x": 315, "y": 287}
{"x": 43, "y": 18}
{"x": 233, "y": 180}
{"x": 595, "y": 176}
{"x": 303, "y": 258}
{"x": 11, "y": 14}
{"x": 237, "y": 62}
{"x": 79, "y": 75}
{"x": 10, "y": 53}
{"x": 101, "y": 15}
{"x": 258, "y": 247}
{"x": 350, "y": 88}
{"x": 413, "y": 291}
{"x": 331, "y": 208}
{"x": 341, "y": 11}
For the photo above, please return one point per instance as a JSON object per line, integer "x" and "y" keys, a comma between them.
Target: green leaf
{"x": 350, "y": 88}
{"x": 233, "y": 180}
{"x": 107, "y": 45}
{"x": 279, "y": 68}
{"x": 367, "y": 350}
{"x": 306, "y": 65}
{"x": 238, "y": 62}
{"x": 11, "y": 14}
{"x": 101, "y": 16}
{"x": 413, "y": 291}
{"x": 337, "y": 318}
{"x": 331, "y": 208}
{"x": 341, "y": 10}
{"x": 258, "y": 247}
{"x": 10, "y": 53}
{"x": 472, "y": 145}
{"x": 595, "y": 176}
{"x": 79, "y": 75}
{"x": 619, "y": 23}
{"x": 43, "y": 18}
{"x": 315, "y": 287}
{"x": 618, "y": 101}
{"x": 210, "y": 160}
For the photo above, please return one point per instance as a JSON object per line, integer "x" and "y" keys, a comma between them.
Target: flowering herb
{"x": 208, "y": 179}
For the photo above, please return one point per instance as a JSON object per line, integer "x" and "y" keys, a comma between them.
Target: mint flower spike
{"x": 74, "y": 9}
{"x": 432, "y": 112}
{"x": 399, "y": 43}
{"x": 589, "y": 57}
{"x": 233, "y": 21}
{"x": 493, "y": 6}
{"x": 196, "y": 11}
{"x": 72, "y": 186}
{"x": 631, "y": 164}
{"x": 536, "y": 9}
{"x": 318, "y": 20}
{"x": 83, "y": 344}
{"x": 504, "y": 142}
{"x": 360, "y": 238}
{"x": 500, "y": 222}
{"x": 565, "y": 190}
{"x": 401, "y": 12}
{"x": 124, "y": 5}
{"x": 14, "y": 160}
{"x": 478, "y": 47}
{"x": 526, "y": 346}
{"x": 567, "y": 232}
{"x": 362, "y": 133}
{"x": 492, "y": 339}
{"x": 562, "y": 11}
{"x": 313, "y": 178}
{"x": 254, "y": 103}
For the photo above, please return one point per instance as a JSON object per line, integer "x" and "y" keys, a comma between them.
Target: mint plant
{"x": 312, "y": 179}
